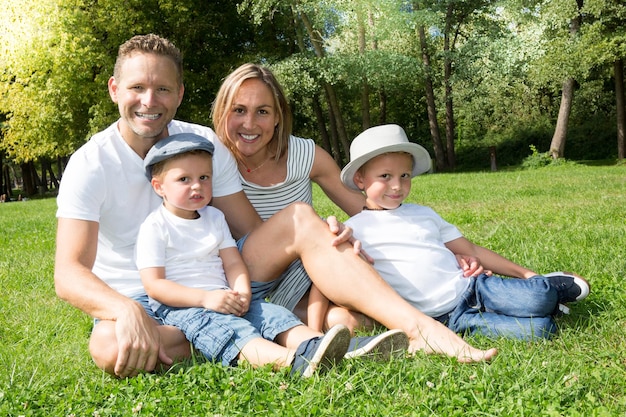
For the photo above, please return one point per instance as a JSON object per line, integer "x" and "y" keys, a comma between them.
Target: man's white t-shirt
{"x": 187, "y": 248}
{"x": 105, "y": 182}
{"x": 408, "y": 247}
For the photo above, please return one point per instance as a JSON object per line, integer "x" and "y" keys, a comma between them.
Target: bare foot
{"x": 439, "y": 339}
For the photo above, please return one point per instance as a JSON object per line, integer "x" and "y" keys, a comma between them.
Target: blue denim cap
{"x": 175, "y": 145}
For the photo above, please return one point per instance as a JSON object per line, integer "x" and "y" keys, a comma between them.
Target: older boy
{"x": 413, "y": 249}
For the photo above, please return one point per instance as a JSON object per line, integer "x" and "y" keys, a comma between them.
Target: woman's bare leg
{"x": 347, "y": 280}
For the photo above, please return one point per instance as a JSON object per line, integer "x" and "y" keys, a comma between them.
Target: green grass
{"x": 569, "y": 217}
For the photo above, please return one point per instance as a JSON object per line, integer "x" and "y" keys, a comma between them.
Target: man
{"x": 104, "y": 198}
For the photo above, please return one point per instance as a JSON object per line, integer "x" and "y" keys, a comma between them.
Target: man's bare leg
{"x": 103, "y": 346}
{"x": 347, "y": 280}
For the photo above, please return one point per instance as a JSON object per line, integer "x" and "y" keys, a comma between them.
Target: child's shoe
{"x": 569, "y": 287}
{"x": 321, "y": 352}
{"x": 380, "y": 347}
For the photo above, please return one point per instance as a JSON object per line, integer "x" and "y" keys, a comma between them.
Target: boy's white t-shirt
{"x": 407, "y": 245}
{"x": 105, "y": 182}
{"x": 188, "y": 249}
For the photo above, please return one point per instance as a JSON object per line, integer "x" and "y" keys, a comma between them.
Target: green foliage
{"x": 565, "y": 217}
{"x": 509, "y": 59}
{"x": 539, "y": 159}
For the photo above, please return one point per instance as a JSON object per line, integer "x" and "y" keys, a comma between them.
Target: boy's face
{"x": 147, "y": 94}
{"x": 185, "y": 184}
{"x": 386, "y": 180}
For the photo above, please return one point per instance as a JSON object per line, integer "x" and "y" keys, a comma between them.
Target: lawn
{"x": 569, "y": 217}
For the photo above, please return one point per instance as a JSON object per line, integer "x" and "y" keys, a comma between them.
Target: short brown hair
{"x": 149, "y": 44}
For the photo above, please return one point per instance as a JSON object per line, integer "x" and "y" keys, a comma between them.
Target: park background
{"x": 470, "y": 80}
{"x": 480, "y": 76}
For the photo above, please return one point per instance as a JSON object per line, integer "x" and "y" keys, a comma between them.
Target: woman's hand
{"x": 344, "y": 234}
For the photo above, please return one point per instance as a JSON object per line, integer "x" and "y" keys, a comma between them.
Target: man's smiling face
{"x": 147, "y": 93}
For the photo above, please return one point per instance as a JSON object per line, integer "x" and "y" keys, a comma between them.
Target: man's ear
{"x": 181, "y": 93}
{"x": 112, "y": 84}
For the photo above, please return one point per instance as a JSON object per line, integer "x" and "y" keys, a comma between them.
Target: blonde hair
{"x": 224, "y": 101}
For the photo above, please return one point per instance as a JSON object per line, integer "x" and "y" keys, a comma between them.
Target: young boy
{"x": 413, "y": 249}
{"x": 197, "y": 281}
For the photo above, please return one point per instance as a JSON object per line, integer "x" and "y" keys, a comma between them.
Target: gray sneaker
{"x": 321, "y": 352}
{"x": 380, "y": 347}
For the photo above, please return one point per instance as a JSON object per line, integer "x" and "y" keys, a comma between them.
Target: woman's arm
{"x": 325, "y": 173}
{"x": 241, "y": 217}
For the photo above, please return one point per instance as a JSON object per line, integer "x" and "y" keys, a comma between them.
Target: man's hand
{"x": 138, "y": 342}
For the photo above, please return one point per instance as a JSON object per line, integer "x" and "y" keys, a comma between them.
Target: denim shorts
{"x": 143, "y": 300}
{"x": 220, "y": 337}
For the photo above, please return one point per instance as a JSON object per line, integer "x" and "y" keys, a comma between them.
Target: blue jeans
{"x": 220, "y": 337}
{"x": 509, "y": 307}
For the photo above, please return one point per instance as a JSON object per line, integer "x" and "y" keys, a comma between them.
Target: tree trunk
{"x": 28, "y": 179}
{"x": 382, "y": 100}
{"x": 3, "y": 188}
{"x": 331, "y": 97}
{"x": 440, "y": 159}
{"x": 557, "y": 146}
{"x": 365, "y": 88}
{"x": 618, "y": 69}
{"x": 447, "y": 81}
{"x": 327, "y": 144}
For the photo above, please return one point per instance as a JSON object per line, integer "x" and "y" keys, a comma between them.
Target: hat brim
{"x": 421, "y": 161}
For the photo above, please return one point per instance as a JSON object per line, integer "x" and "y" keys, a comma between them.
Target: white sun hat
{"x": 377, "y": 141}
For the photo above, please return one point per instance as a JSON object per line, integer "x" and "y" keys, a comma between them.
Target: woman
{"x": 253, "y": 119}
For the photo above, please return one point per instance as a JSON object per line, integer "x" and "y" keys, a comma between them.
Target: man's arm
{"x": 138, "y": 340}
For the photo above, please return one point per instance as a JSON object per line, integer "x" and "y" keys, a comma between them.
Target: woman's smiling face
{"x": 252, "y": 117}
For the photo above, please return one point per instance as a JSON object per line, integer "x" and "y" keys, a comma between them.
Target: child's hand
{"x": 245, "y": 298}
{"x": 225, "y": 302}
{"x": 471, "y": 266}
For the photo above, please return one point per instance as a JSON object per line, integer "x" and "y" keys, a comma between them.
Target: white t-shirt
{"x": 105, "y": 182}
{"x": 407, "y": 245}
{"x": 188, "y": 249}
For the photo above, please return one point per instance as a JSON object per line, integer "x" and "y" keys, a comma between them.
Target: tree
{"x": 605, "y": 41}
{"x": 45, "y": 81}
{"x": 557, "y": 146}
